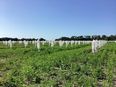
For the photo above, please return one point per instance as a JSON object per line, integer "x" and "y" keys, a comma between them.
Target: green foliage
{"x": 72, "y": 66}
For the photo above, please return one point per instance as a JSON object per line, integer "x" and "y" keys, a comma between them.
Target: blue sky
{"x": 55, "y": 18}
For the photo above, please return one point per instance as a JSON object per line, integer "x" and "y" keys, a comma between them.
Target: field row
{"x": 72, "y": 66}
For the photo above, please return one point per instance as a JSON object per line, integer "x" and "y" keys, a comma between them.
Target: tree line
{"x": 86, "y": 38}
{"x": 81, "y": 38}
{"x": 22, "y": 39}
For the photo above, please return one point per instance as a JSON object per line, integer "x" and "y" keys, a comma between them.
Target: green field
{"x": 72, "y": 66}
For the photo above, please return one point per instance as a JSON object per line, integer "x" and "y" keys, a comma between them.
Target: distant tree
{"x": 42, "y": 39}
{"x": 63, "y": 39}
{"x": 74, "y": 38}
{"x": 95, "y": 37}
{"x": 80, "y": 38}
{"x": 98, "y": 37}
{"x": 87, "y": 37}
{"x": 104, "y": 37}
{"x": 112, "y": 37}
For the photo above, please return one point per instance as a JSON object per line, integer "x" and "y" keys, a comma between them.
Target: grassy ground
{"x": 74, "y": 66}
